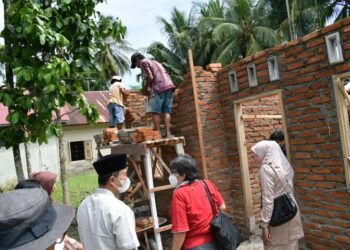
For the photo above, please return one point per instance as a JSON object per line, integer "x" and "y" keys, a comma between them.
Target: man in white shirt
{"x": 105, "y": 222}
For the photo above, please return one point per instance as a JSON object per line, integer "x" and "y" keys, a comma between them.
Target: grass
{"x": 79, "y": 186}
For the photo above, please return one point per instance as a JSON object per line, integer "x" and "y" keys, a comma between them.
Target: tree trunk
{"x": 29, "y": 165}
{"x": 63, "y": 171}
{"x": 18, "y": 162}
{"x": 10, "y": 85}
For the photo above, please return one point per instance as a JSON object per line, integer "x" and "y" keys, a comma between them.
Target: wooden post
{"x": 198, "y": 117}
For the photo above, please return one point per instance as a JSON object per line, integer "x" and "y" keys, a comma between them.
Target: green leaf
{"x": 50, "y": 88}
{"x": 42, "y": 39}
{"x": 14, "y": 117}
{"x": 7, "y": 100}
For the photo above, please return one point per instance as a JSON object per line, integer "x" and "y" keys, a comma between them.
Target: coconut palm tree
{"x": 178, "y": 32}
{"x": 242, "y": 31}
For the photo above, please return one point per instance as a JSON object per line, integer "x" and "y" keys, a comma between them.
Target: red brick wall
{"x": 255, "y": 131}
{"x": 135, "y": 113}
{"x": 312, "y": 126}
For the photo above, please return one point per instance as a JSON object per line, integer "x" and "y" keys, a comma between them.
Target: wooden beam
{"x": 161, "y": 188}
{"x": 160, "y": 160}
{"x": 139, "y": 175}
{"x": 243, "y": 156}
{"x": 342, "y": 91}
{"x": 164, "y": 228}
{"x": 198, "y": 116}
{"x": 261, "y": 117}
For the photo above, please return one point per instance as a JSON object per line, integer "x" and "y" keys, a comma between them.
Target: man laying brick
{"x": 161, "y": 96}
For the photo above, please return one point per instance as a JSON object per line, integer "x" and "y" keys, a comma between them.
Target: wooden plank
{"x": 139, "y": 175}
{"x": 342, "y": 91}
{"x": 149, "y": 177}
{"x": 166, "y": 141}
{"x": 162, "y": 163}
{"x": 243, "y": 156}
{"x": 164, "y": 228}
{"x": 161, "y": 188}
{"x": 261, "y": 117}
{"x": 198, "y": 116}
{"x": 284, "y": 123}
{"x": 128, "y": 149}
{"x": 343, "y": 119}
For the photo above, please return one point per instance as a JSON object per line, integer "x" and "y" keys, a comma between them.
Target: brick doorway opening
{"x": 256, "y": 118}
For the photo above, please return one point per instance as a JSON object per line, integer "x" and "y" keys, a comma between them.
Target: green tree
{"x": 48, "y": 48}
{"x": 178, "y": 32}
{"x": 243, "y": 31}
{"x": 112, "y": 56}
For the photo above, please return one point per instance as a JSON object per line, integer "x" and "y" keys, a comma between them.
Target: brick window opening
{"x": 334, "y": 49}
{"x": 253, "y": 81}
{"x": 80, "y": 150}
{"x": 233, "y": 81}
{"x": 273, "y": 68}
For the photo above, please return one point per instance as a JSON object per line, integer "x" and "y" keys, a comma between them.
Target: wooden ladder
{"x": 151, "y": 158}
{"x": 151, "y": 189}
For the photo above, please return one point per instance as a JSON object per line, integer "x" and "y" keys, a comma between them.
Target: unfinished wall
{"x": 136, "y": 110}
{"x": 312, "y": 127}
{"x": 257, "y": 129}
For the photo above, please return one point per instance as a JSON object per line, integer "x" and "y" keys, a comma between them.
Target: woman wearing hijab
{"x": 276, "y": 177}
{"x": 47, "y": 181}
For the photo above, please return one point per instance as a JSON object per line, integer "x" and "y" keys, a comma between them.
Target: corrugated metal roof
{"x": 72, "y": 116}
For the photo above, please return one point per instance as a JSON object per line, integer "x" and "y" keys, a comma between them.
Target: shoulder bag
{"x": 284, "y": 207}
{"x": 226, "y": 234}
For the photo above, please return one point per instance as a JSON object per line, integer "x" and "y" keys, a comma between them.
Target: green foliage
{"x": 80, "y": 186}
{"x": 53, "y": 45}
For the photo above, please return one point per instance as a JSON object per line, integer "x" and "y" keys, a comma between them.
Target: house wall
{"x": 42, "y": 157}
{"x": 311, "y": 124}
{"x": 257, "y": 129}
{"x": 82, "y": 133}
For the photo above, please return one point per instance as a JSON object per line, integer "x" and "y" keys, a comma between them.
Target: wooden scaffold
{"x": 150, "y": 154}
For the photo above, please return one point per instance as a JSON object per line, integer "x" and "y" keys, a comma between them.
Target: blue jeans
{"x": 116, "y": 114}
{"x": 161, "y": 102}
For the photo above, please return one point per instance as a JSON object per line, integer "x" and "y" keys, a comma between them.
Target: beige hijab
{"x": 271, "y": 152}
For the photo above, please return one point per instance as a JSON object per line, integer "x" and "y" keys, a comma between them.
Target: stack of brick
{"x": 146, "y": 134}
{"x": 136, "y": 110}
{"x": 110, "y": 135}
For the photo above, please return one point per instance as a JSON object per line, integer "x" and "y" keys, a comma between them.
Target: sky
{"x": 139, "y": 16}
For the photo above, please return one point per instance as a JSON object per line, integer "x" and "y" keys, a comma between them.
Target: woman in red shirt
{"x": 190, "y": 210}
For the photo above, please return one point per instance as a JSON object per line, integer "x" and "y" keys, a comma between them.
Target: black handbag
{"x": 226, "y": 234}
{"x": 284, "y": 207}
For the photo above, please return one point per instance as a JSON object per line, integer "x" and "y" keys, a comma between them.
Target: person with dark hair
{"x": 28, "y": 220}
{"x": 190, "y": 209}
{"x": 278, "y": 136}
{"x": 162, "y": 87}
{"x": 116, "y": 96}
{"x": 28, "y": 184}
{"x": 104, "y": 221}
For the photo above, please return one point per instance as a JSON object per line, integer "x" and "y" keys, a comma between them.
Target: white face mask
{"x": 125, "y": 185}
{"x": 173, "y": 180}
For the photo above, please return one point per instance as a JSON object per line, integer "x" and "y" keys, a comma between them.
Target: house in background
{"x": 79, "y": 145}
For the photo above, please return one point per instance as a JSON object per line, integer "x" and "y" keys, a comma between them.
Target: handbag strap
{"x": 284, "y": 186}
{"x": 209, "y": 196}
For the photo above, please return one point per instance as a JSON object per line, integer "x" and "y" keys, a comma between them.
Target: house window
{"x": 80, "y": 150}
{"x": 334, "y": 49}
{"x": 273, "y": 68}
{"x": 342, "y": 99}
{"x": 252, "y": 75}
{"x": 233, "y": 81}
